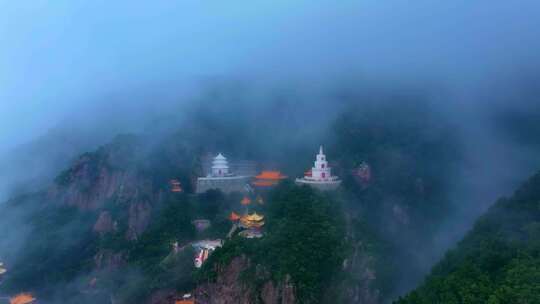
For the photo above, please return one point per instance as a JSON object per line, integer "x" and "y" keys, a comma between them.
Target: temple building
{"x": 320, "y": 176}
{"x": 268, "y": 179}
{"x": 242, "y": 167}
{"x": 234, "y": 217}
{"x": 175, "y": 186}
{"x": 362, "y": 174}
{"x": 252, "y": 223}
{"x": 201, "y": 225}
{"x": 186, "y": 299}
{"x": 221, "y": 178}
{"x": 245, "y": 201}
{"x": 23, "y": 298}
{"x": 203, "y": 250}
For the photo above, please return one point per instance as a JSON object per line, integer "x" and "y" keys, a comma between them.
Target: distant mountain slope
{"x": 106, "y": 225}
{"x": 497, "y": 262}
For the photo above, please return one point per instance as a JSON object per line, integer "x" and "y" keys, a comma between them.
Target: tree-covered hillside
{"x": 304, "y": 241}
{"x": 115, "y": 207}
{"x": 497, "y": 262}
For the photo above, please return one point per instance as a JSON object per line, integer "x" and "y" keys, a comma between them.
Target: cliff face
{"x": 94, "y": 179}
{"x": 108, "y": 177}
{"x": 229, "y": 288}
{"x": 360, "y": 289}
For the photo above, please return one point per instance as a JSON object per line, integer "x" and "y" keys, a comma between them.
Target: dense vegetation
{"x": 307, "y": 236}
{"x": 497, "y": 262}
{"x": 304, "y": 240}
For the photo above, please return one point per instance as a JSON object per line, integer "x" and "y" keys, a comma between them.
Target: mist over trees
{"x": 103, "y": 106}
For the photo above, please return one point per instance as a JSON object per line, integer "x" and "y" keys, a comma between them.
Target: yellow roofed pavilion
{"x": 254, "y": 217}
{"x": 252, "y": 220}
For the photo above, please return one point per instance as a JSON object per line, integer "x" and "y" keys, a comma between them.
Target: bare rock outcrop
{"x": 109, "y": 260}
{"x": 89, "y": 188}
{"x": 359, "y": 266}
{"x": 97, "y": 180}
{"x": 104, "y": 223}
{"x": 229, "y": 288}
{"x": 282, "y": 293}
{"x": 139, "y": 219}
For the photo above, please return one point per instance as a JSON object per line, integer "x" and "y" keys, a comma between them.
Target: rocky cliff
{"x": 230, "y": 287}
{"x": 359, "y": 267}
{"x": 105, "y": 178}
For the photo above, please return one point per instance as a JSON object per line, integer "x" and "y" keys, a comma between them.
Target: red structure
{"x": 176, "y": 186}
{"x": 268, "y": 179}
{"x": 245, "y": 201}
{"x": 234, "y": 217}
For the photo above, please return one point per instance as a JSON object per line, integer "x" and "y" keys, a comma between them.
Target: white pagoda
{"x": 220, "y": 166}
{"x": 221, "y": 177}
{"x": 320, "y": 176}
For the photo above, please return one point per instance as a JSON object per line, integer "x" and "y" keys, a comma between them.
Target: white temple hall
{"x": 221, "y": 177}
{"x": 220, "y": 166}
{"x": 320, "y": 176}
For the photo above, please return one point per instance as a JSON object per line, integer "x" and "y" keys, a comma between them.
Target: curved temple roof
{"x": 273, "y": 175}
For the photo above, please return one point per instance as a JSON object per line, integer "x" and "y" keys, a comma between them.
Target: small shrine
{"x": 245, "y": 201}
{"x": 320, "y": 176}
{"x": 175, "y": 186}
{"x": 201, "y": 224}
{"x": 363, "y": 173}
{"x": 233, "y": 217}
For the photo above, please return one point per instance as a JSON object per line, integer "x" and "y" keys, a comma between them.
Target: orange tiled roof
{"x": 253, "y": 217}
{"x": 264, "y": 183}
{"x": 252, "y": 224}
{"x": 23, "y": 298}
{"x": 175, "y": 185}
{"x": 234, "y": 216}
{"x": 184, "y": 302}
{"x": 273, "y": 175}
{"x": 245, "y": 201}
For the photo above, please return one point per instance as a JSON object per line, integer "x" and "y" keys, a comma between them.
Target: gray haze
{"x": 103, "y": 68}
{"x": 82, "y": 71}
{"x": 58, "y": 58}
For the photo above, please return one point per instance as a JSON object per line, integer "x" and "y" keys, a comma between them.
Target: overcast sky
{"x": 58, "y": 57}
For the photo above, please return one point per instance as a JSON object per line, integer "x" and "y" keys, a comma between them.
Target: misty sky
{"x": 58, "y": 57}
